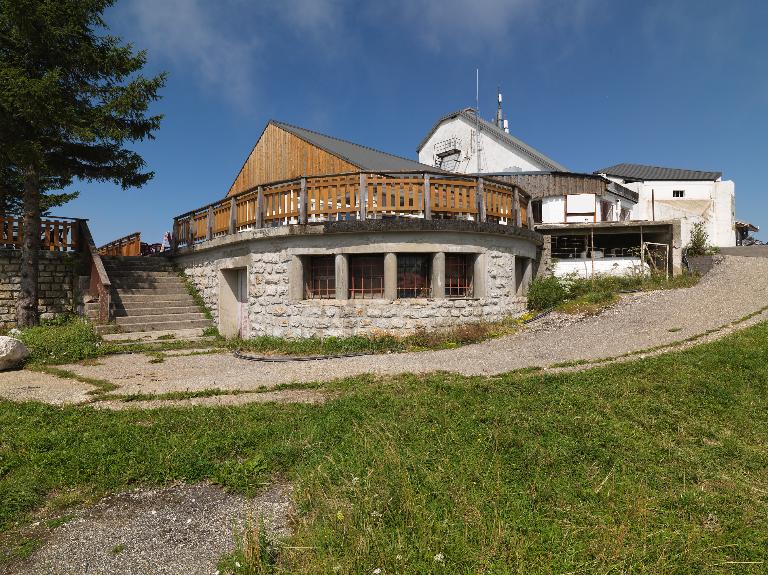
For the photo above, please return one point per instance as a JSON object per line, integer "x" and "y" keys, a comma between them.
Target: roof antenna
{"x": 499, "y": 113}
{"x": 477, "y": 118}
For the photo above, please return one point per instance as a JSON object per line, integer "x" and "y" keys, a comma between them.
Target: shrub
{"x": 545, "y": 293}
{"x": 699, "y": 242}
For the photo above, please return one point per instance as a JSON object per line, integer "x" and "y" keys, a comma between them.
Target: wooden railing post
{"x": 480, "y": 200}
{"x": 209, "y": 230}
{"x": 516, "y": 207}
{"x": 303, "y": 202}
{"x": 427, "y": 198}
{"x": 363, "y": 195}
{"x": 232, "y": 216}
{"x": 260, "y": 207}
{"x": 190, "y": 237}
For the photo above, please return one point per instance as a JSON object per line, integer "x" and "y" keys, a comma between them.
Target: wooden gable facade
{"x": 279, "y": 155}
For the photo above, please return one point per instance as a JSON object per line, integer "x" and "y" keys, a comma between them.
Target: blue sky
{"x": 680, "y": 83}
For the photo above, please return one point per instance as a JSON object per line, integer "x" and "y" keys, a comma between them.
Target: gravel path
{"x": 736, "y": 287}
{"x": 180, "y": 529}
{"x": 36, "y": 386}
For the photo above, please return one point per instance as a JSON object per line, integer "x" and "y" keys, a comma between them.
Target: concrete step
{"x": 120, "y": 273}
{"x": 159, "y": 318}
{"x": 155, "y": 291}
{"x": 147, "y": 296}
{"x": 158, "y": 325}
{"x": 133, "y": 307}
{"x": 142, "y": 311}
{"x": 133, "y": 283}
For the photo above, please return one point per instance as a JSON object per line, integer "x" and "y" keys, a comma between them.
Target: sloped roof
{"x": 643, "y": 172}
{"x": 492, "y": 129}
{"x": 361, "y": 156}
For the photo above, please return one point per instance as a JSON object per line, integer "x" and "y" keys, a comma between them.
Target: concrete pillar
{"x": 342, "y": 276}
{"x": 296, "y": 278}
{"x": 390, "y": 276}
{"x": 438, "y": 275}
{"x": 479, "y": 276}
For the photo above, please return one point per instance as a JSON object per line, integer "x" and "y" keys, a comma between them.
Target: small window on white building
{"x": 678, "y": 193}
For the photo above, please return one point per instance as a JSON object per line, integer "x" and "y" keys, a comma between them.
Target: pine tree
{"x": 71, "y": 98}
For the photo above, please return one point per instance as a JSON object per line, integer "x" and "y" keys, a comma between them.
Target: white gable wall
{"x": 704, "y": 201}
{"x": 496, "y": 156}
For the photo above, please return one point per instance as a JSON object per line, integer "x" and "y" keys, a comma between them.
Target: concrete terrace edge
{"x": 367, "y": 226}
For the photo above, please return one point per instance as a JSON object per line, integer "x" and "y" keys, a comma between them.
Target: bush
{"x": 545, "y": 293}
{"x": 63, "y": 340}
{"x": 699, "y": 242}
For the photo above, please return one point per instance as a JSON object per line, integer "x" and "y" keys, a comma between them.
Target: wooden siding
{"x": 543, "y": 185}
{"x": 279, "y": 155}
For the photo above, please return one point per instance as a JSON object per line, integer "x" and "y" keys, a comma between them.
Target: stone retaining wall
{"x": 275, "y": 308}
{"x": 57, "y": 284}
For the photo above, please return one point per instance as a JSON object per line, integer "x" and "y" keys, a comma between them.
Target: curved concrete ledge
{"x": 383, "y": 226}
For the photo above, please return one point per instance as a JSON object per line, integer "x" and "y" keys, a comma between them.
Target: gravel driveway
{"x": 736, "y": 287}
{"x": 179, "y": 529}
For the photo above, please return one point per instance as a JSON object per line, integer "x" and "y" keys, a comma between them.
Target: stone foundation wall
{"x": 57, "y": 284}
{"x": 274, "y": 308}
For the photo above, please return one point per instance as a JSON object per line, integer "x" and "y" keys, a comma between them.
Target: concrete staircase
{"x": 148, "y": 295}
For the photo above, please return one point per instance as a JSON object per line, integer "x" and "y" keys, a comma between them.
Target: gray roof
{"x": 492, "y": 129}
{"x": 363, "y": 157}
{"x": 643, "y": 172}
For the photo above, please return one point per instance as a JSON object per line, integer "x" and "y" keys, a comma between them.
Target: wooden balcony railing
{"x": 129, "y": 245}
{"x": 356, "y": 196}
{"x": 56, "y": 234}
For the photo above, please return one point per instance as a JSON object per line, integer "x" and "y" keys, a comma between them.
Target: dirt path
{"x": 735, "y": 287}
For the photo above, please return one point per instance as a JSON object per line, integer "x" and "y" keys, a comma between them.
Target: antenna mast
{"x": 477, "y": 118}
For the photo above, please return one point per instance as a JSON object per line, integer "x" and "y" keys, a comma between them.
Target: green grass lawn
{"x": 659, "y": 466}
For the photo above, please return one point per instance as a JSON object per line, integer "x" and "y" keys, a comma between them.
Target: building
{"x": 460, "y": 142}
{"x": 318, "y": 236}
{"x": 690, "y": 196}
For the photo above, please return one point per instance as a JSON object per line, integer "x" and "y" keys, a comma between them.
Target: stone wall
{"x": 275, "y": 308}
{"x": 57, "y": 284}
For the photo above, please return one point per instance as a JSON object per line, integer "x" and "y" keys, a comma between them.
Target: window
{"x": 458, "y": 275}
{"x": 321, "y": 278}
{"x": 536, "y": 209}
{"x": 366, "y": 277}
{"x": 414, "y": 273}
{"x": 678, "y": 193}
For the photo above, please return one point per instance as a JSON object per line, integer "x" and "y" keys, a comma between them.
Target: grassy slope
{"x": 658, "y": 466}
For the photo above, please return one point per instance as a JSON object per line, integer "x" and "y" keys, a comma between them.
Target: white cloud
{"x": 469, "y": 25}
{"x": 187, "y": 33}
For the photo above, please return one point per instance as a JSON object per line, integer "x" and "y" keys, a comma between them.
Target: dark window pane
{"x": 321, "y": 278}
{"x": 414, "y": 273}
{"x": 458, "y": 275}
{"x": 366, "y": 277}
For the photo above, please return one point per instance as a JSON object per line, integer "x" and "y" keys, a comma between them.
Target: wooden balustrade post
{"x": 303, "y": 202}
{"x": 480, "y": 200}
{"x": 427, "y": 198}
{"x": 209, "y": 230}
{"x": 260, "y": 207}
{"x": 232, "y": 216}
{"x": 190, "y": 236}
{"x": 363, "y": 195}
{"x": 516, "y": 207}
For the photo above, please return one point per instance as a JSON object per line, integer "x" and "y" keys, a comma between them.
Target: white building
{"x": 686, "y": 195}
{"x": 453, "y": 144}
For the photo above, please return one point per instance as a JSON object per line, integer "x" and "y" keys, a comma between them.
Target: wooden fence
{"x": 56, "y": 234}
{"x": 356, "y": 196}
{"x": 129, "y": 245}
